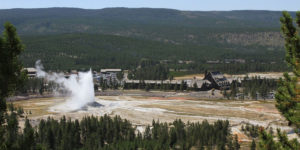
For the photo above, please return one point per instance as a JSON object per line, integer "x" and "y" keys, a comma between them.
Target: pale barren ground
{"x": 141, "y": 110}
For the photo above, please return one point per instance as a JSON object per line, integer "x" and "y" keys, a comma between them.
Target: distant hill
{"x": 134, "y": 17}
{"x": 158, "y": 34}
{"x": 165, "y": 25}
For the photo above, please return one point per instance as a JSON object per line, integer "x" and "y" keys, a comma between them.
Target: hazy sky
{"x": 291, "y": 5}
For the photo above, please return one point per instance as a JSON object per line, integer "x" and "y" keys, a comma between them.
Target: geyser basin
{"x": 80, "y": 88}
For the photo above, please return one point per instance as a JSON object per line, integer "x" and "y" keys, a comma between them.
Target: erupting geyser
{"x": 80, "y": 88}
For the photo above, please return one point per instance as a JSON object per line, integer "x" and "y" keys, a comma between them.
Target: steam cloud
{"x": 80, "y": 86}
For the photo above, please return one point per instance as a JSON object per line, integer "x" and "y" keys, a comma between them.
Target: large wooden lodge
{"x": 217, "y": 79}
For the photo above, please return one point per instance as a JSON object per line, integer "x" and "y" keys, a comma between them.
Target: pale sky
{"x": 201, "y": 5}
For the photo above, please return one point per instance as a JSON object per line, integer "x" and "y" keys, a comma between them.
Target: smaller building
{"x": 109, "y": 74}
{"x": 73, "y": 72}
{"x": 31, "y": 72}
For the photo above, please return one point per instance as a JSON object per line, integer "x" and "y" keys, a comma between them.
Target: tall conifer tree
{"x": 288, "y": 93}
{"x": 11, "y": 74}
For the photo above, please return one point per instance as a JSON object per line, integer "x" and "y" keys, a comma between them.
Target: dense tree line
{"x": 231, "y": 68}
{"x": 82, "y": 51}
{"x": 149, "y": 70}
{"x": 115, "y": 133}
{"x": 254, "y": 88}
{"x": 267, "y": 142}
{"x": 108, "y": 84}
{"x": 37, "y": 86}
{"x": 262, "y": 86}
{"x": 159, "y": 86}
{"x": 251, "y": 130}
{"x": 41, "y": 86}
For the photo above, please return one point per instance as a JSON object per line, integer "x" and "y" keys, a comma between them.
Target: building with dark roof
{"x": 217, "y": 79}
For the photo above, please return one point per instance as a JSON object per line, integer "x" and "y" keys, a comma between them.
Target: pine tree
{"x": 230, "y": 144}
{"x": 11, "y": 130}
{"x": 236, "y": 144}
{"x": 285, "y": 143}
{"x": 50, "y": 138}
{"x": 11, "y": 74}
{"x": 173, "y": 137}
{"x": 195, "y": 86}
{"x": 266, "y": 141}
{"x": 147, "y": 87}
{"x": 147, "y": 133}
{"x": 28, "y": 135}
{"x": 175, "y": 87}
{"x": 288, "y": 93}
{"x": 253, "y": 145}
{"x": 181, "y": 86}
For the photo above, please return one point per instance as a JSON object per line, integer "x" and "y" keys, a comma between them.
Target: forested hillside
{"x": 70, "y": 38}
{"x": 81, "y": 51}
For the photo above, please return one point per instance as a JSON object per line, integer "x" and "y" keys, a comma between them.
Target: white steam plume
{"x": 80, "y": 86}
